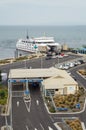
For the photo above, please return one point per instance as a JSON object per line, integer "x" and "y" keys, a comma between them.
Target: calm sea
{"x": 73, "y": 36}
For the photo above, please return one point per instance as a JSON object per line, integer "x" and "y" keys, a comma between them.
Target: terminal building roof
{"x": 32, "y": 73}
{"x": 51, "y": 75}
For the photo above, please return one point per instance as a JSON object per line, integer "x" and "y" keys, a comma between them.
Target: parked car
{"x": 71, "y": 65}
{"x": 59, "y": 56}
{"x": 81, "y": 61}
{"x": 48, "y": 57}
{"x": 60, "y": 67}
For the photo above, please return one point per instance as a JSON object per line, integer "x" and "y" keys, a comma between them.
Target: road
{"x": 36, "y": 63}
{"x": 38, "y": 118}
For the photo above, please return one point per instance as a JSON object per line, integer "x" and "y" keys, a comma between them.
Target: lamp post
{"x": 41, "y": 63}
{"x": 58, "y": 62}
{"x": 11, "y": 104}
{"x": 25, "y": 64}
{"x": 10, "y": 92}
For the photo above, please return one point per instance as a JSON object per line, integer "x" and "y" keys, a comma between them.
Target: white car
{"x": 71, "y": 64}
{"x": 60, "y": 67}
{"x": 66, "y": 67}
{"x": 59, "y": 56}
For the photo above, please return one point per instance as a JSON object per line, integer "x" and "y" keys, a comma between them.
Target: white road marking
{"x": 35, "y": 129}
{"x": 41, "y": 126}
{"x": 37, "y": 102}
{"x": 50, "y": 128}
{"x": 51, "y": 119}
{"x": 28, "y": 108}
{"x": 27, "y": 127}
{"x": 17, "y": 103}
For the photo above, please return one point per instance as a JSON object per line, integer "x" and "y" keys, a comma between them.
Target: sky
{"x": 42, "y": 12}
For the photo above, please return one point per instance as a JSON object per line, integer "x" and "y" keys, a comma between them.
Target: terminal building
{"x": 50, "y": 80}
{"x": 81, "y": 50}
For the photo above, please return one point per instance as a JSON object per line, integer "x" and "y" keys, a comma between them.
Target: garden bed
{"x": 73, "y": 124}
{"x": 67, "y": 103}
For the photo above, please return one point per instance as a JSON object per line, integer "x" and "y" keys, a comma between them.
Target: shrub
{"x": 74, "y": 124}
{"x": 2, "y": 94}
{"x": 21, "y": 58}
{"x": 52, "y": 109}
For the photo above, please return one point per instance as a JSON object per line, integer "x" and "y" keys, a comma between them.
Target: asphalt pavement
{"x": 38, "y": 118}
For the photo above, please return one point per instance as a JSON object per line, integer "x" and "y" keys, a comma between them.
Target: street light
{"x": 10, "y": 92}
{"x": 41, "y": 62}
{"x": 25, "y": 64}
{"x": 58, "y": 62}
{"x": 11, "y": 104}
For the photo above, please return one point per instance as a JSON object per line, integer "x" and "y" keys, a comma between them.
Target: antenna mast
{"x": 27, "y": 35}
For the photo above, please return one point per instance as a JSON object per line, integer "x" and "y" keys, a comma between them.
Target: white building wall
{"x": 60, "y": 91}
{"x": 71, "y": 89}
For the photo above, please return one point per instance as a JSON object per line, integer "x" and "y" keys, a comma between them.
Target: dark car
{"x": 81, "y": 61}
{"x": 48, "y": 57}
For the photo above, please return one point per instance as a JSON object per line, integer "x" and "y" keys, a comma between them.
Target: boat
{"x": 40, "y": 44}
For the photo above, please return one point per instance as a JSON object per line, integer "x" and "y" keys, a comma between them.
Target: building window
{"x": 50, "y": 91}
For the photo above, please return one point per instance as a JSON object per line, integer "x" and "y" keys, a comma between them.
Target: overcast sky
{"x": 42, "y": 12}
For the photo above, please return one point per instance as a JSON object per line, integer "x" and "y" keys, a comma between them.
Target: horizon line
{"x": 41, "y": 25}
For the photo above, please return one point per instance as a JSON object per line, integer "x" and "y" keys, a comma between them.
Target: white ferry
{"x": 40, "y": 44}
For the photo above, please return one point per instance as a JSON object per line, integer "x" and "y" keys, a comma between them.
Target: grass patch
{"x": 4, "y": 61}
{"x": 21, "y": 58}
{"x": 3, "y": 95}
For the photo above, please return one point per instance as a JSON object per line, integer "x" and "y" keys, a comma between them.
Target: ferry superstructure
{"x": 41, "y": 44}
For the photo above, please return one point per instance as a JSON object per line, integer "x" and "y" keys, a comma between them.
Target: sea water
{"x": 73, "y": 36}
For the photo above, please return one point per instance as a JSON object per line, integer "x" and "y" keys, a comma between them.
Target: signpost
{"x": 35, "y": 46}
{"x": 27, "y": 92}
